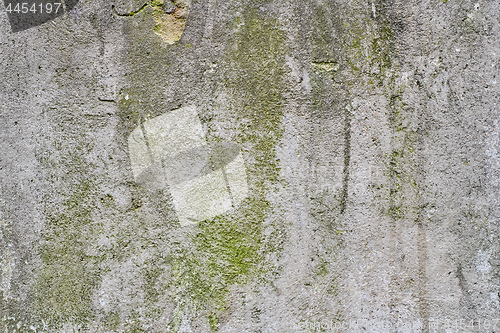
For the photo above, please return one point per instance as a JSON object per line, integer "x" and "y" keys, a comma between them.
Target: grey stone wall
{"x": 369, "y": 132}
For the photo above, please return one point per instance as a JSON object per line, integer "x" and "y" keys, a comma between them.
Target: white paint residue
{"x": 306, "y": 82}
{"x": 492, "y": 146}
{"x": 494, "y": 299}
{"x": 482, "y": 262}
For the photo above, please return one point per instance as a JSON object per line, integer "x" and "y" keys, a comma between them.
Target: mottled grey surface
{"x": 370, "y": 133}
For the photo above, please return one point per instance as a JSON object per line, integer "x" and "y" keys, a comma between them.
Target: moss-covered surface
{"x": 196, "y": 268}
{"x": 69, "y": 273}
{"x": 355, "y": 63}
{"x": 127, "y": 266}
{"x": 230, "y": 248}
{"x": 369, "y": 48}
{"x": 71, "y": 262}
{"x": 7, "y": 266}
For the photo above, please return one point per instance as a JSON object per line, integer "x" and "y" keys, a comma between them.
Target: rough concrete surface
{"x": 368, "y": 136}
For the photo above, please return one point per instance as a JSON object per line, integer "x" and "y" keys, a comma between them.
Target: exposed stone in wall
{"x": 170, "y": 18}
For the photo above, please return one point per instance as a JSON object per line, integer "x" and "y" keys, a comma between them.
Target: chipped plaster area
{"x": 170, "y": 18}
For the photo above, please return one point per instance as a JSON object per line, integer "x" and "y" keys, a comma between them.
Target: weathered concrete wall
{"x": 370, "y": 135}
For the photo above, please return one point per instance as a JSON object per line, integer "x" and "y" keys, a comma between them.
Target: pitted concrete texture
{"x": 357, "y": 149}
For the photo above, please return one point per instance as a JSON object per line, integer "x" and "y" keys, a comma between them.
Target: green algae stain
{"x": 71, "y": 260}
{"x": 362, "y": 43}
{"x": 229, "y": 249}
{"x": 213, "y": 321}
{"x": 370, "y": 48}
{"x": 69, "y": 272}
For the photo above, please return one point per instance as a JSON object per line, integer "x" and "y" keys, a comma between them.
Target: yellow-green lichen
{"x": 326, "y": 66}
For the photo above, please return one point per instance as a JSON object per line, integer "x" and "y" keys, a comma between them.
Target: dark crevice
{"x": 106, "y": 100}
{"x": 132, "y": 13}
{"x": 464, "y": 288}
{"x": 347, "y": 159}
{"x": 145, "y": 136}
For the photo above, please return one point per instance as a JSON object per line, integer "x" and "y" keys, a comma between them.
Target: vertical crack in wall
{"x": 347, "y": 158}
